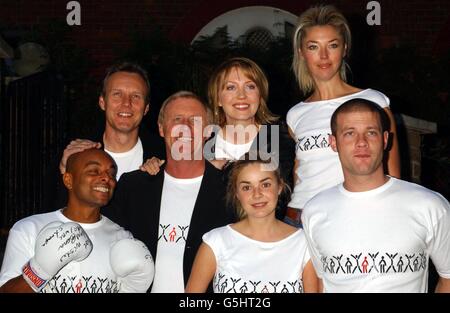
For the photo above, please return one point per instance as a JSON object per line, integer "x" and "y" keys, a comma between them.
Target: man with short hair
{"x": 374, "y": 233}
{"x": 125, "y": 99}
{"x": 172, "y": 210}
{"x": 76, "y": 249}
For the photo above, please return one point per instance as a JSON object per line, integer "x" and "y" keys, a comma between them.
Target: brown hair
{"x": 360, "y": 105}
{"x": 236, "y": 169}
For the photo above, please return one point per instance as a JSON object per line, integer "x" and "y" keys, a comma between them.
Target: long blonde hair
{"x": 321, "y": 15}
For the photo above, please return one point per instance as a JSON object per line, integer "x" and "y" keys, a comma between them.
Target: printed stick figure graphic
{"x": 324, "y": 263}
{"x": 284, "y": 290}
{"x": 324, "y": 143}
{"x": 163, "y": 227}
{"x": 300, "y": 286}
{"x": 94, "y": 287}
{"x": 356, "y": 257}
{"x": 54, "y": 283}
{"x": 391, "y": 256}
{"x": 72, "y": 282}
{"x": 306, "y": 145}
{"x": 332, "y": 264}
{"x": 172, "y": 234}
{"x": 78, "y": 286}
{"x": 416, "y": 264}
{"x": 293, "y": 284}
{"x": 244, "y": 288}
{"x": 234, "y": 281}
{"x": 114, "y": 286}
{"x": 382, "y": 264}
{"x": 255, "y": 284}
{"x": 348, "y": 265}
{"x": 400, "y": 265}
{"x": 299, "y": 144}
{"x": 409, "y": 257}
{"x": 86, "y": 280}
{"x": 224, "y": 285}
{"x": 274, "y": 285}
{"x": 182, "y": 232}
{"x": 423, "y": 260}
{"x": 265, "y": 290}
{"x": 220, "y": 275}
{"x": 63, "y": 286}
{"x": 364, "y": 264}
{"x": 316, "y": 141}
{"x": 338, "y": 259}
{"x": 102, "y": 281}
{"x": 108, "y": 288}
{"x": 373, "y": 256}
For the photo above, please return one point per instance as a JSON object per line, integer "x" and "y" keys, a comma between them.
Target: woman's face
{"x": 323, "y": 49}
{"x": 257, "y": 190}
{"x": 239, "y": 98}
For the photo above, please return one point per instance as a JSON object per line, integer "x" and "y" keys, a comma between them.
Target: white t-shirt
{"x": 92, "y": 275}
{"x": 177, "y": 204}
{"x": 245, "y": 265}
{"x": 379, "y": 240}
{"x": 229, "y": 151}
{"x": 319, "y": 166}
{"x": 128, "y": 161}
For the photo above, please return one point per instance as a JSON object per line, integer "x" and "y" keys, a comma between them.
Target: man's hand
{"x": 152, "y": 166}
{"x": 75, "y": 146}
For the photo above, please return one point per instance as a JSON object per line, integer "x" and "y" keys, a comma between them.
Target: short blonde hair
{"x": 321, "y": 15}
{"x": 253, "y": 72}
{"x": 182, "y": 94}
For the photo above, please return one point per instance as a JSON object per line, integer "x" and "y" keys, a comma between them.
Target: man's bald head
{"x": 76, "y": 157}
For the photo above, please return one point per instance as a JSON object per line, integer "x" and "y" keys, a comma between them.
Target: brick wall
{"x": 106, "y": 24}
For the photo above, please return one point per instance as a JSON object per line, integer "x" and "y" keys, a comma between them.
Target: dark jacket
{"x": 136, "y": 207}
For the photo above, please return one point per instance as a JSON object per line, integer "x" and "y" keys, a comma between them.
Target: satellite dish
{"x": 33, "y": 58}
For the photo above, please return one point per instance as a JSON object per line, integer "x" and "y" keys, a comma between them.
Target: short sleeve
{"x": 19, "y": 249}
{"x": 214, "y": 240}
{"x": 439, "y": 245}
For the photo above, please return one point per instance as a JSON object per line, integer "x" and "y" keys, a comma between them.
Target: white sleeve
{"x": 378, "y": 97}
{"x": 19, "y": 250}
{"x": 439, "y": 245}
{"x": 306, "y": 255}
{"x": 214, "y": 241}
{"x": 312, "y": 248}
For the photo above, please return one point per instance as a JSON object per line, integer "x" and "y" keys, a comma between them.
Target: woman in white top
{"x": 259, "y": 253}
{"x": 322, "y": 42}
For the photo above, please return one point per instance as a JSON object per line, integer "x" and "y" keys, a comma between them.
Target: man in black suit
{"x": 172, "y": 210}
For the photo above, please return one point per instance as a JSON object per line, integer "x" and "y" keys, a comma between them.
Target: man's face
{"x": 92, "y": 178}
{"x": 182, "y": 128}
{"x": 124, "y": 102}
{"x": 360, "y": 142}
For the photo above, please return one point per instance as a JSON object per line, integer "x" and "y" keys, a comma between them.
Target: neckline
{"x": 338, "y": 98}
{"x": 264, "y": 243}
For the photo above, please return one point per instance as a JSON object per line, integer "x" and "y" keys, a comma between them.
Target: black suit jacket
{"x": 136, "y": 207}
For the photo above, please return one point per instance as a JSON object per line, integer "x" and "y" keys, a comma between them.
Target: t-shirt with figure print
{"x": 92, "y": 275}
{"x": 244, "y": 265}
{"x": 319, "y": 166}
{"x": 177, "y": 205}
{"x": 378, "y": 240}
